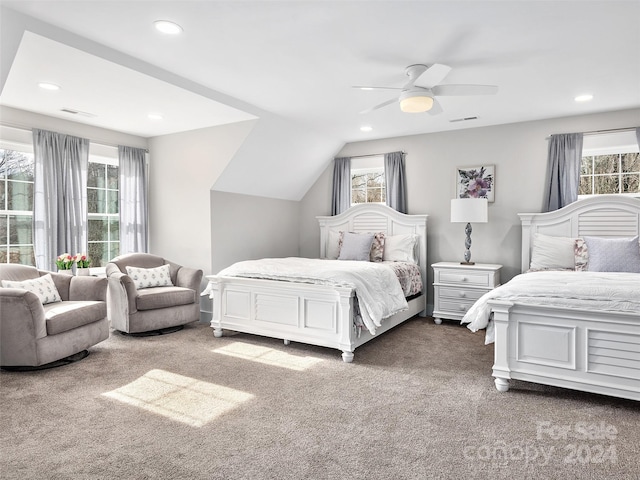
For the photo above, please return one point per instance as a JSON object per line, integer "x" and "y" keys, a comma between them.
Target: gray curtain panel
{"x": 563, "y": 170}
{"x": 60, "y": 196}
{"x": 341, "y": 195}
{"x": 134, "y": 229}
{"x": 396, "y": 183}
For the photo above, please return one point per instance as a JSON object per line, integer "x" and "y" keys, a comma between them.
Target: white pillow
{"x": 400, "y": 248}
{"x": 333, "y": 245}
{"x": 613, "y": 254}
{"x": 150, "y": 277}
{"x": 356, "y": 246}
{"x": 43, "y": 287}
{"x": 552, "y": 253}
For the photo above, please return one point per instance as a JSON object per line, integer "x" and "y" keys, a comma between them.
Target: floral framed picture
{"x": 476, "y": 182}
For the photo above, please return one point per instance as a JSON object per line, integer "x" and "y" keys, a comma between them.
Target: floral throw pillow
{"x": 150, "y": 277}
{"x": 581, "y": 254}
{"x": 43, "y": 287}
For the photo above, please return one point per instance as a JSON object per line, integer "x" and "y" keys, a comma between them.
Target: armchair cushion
{"x": 65, "y": 316}
{"x": 163, "y": 297}
{"x": 43, "y": 287}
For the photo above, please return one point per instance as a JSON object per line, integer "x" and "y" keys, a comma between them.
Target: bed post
{"x": 501, "y": 370}
{"x": 216, "y": 296}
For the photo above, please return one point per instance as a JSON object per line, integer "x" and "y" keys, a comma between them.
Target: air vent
{"x": 465, "y": 119}
{"x": 77, "y": 112}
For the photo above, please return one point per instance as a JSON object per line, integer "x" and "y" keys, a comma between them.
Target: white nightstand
{"x": 457, "y": 287}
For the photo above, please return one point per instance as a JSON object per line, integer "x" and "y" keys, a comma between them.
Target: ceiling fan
{"x": 421, "y": 98}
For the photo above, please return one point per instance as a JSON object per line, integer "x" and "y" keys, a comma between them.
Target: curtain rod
{"x": 373, "y": 154}
{"x": 609, "y": 130}
{"x": 29, "y": 129}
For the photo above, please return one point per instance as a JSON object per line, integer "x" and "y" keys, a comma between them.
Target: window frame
{"x": 362, "y": 166}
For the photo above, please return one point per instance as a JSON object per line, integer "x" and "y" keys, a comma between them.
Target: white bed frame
{"x": 315, "y": 314}
{"x": 579, "y": 349}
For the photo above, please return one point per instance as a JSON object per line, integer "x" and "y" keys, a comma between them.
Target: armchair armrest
{"x": 22, "y": 323}
{"x": 189, "y": 278}
{"x": 88, "y": 288}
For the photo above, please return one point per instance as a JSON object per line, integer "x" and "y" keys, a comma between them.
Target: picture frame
{"x": 476, "y": 182}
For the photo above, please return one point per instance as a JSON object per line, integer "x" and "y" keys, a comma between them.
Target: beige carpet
{"x": 418, "y": 402}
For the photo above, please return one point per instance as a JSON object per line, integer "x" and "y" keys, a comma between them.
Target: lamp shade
{"x": 469, "y": 210}
{"x": 416, "y": 101}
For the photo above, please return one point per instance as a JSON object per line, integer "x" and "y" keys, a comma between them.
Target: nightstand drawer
{"x": 460, "y": 293}
{"x": 461, "y": 277}
{"x": 455, "y": 306}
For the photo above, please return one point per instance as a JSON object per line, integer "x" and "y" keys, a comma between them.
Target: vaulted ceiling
{"x": 296, "y": 61}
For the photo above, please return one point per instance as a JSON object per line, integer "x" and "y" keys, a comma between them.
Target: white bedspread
{"x": 595, "y": 291}
{"x": 376, "y": 285}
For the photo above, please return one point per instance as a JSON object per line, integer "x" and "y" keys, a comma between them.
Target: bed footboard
{"x": 589, "y": 351}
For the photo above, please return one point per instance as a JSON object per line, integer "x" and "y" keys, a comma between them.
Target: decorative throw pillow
{"x": 400, "y": 248}
{"x": 356, "y": 246}
{"x": 377, "y": 246}
{"x": 552, "y": 253}
{"x": 613, "y": 254}
{"x": 150, "y": 277}
{"x": 333, "y": 246}
{"x": 581, "y": 254}
{"x": 43, "y": 287}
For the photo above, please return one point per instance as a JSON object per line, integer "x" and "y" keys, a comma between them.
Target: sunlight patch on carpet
{"x": 267, "y": 356}
{"x": 180, "y": 398}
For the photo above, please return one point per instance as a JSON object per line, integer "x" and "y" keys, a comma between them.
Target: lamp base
{"x": 467, "y": 263}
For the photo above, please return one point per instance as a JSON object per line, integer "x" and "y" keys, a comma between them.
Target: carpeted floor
{"x": 418, "y": 402}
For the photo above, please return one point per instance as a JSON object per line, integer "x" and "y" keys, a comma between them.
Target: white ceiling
{"x": 299, "y": 59}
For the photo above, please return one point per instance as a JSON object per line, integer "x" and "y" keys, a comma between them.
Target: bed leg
{"x": 347, "y": 357}
{"x": 437, "y": 321}
{"x": 502, "y": 384}
{"x": 217, "y": 332}
{"x": 286, "y": 342}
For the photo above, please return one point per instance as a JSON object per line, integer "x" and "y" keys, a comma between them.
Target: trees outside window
{"x": 368, "y": 180}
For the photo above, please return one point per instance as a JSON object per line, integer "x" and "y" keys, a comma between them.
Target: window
{"x": 103, "y": 210}
{"x": 610, "y": 165}
{"x": 16, "y": 205}
{"x": 368, "y": 180}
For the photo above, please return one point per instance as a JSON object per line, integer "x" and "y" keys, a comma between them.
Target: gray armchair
{"x": 153, "y": 310}
{"x": 37, "y": 335}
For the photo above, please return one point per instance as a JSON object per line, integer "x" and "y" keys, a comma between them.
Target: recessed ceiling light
{"x": 366, "y": 128}
{"x": 165, "y": 26}
{"x": 583, "y": 98}
{"x": 49, "y": 86}
{"x": 155, "y": 116}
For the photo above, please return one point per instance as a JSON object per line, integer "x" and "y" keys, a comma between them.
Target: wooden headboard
{"x": 372, "y": 217}
{"x": 599, "y": 216}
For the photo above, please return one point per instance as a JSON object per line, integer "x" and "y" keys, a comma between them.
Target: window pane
{"x": 374, "y": 195}
{"x": 358, "y": 181}
{"x": 631, "y": 162}
{"x": 586, "y": 165}
{"x": 631, "y": 183}
{"x": 606, "y": 164}
{"x": 97, "y": 254}
{"x": 20, "y": 230}
{"x": 585, "y": 185}
{"x": 114, "y": 229}
{"x": 23, "y": 255}
{"x": 3, "y": 230}
{"x": 3, "y": 195}
{"x": 96, "y": 175}
{"x": 375, "y": 179}
{"x": 16, "y": 165}
{"x": 112, "y": 176}
{"x": 20, "y": 196}
{"x": 98, "y": 229}
{"x": 112, "y": 197}
{"x": 606, "y": 184}
{"x": 114, "y": 250}
{"x": 358, "y": 196}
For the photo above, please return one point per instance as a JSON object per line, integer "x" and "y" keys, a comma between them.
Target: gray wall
{"x": 519, "y": 153}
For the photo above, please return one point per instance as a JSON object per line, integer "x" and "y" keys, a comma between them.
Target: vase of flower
{"x": 81, "y": 271}
{"x": 64, "y": 263}
{"x": 65, "y": 271}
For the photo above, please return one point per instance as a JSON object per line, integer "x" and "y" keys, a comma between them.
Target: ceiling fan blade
{"x": 436, "y": 109}
{"x": 450, "y": 90}
{"x": 365, "y": 87}
{"x": 384, "y": 104}
{"x": 433, "y": 75}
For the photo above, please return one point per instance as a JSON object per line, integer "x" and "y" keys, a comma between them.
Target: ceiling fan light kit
{"x": 415, "y": 101}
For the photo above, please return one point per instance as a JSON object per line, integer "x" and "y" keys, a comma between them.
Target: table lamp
{"x": 469, "y": 210}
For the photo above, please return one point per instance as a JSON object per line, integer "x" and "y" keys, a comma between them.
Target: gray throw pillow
{"x": 613, "y": 254}
{"x": 356, "y": 246}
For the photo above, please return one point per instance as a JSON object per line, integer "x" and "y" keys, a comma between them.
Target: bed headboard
{"x": 373, "y": 217}
{"x": 599, "y": 216}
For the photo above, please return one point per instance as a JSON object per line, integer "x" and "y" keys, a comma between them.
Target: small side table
{"x": 457, "y": 287}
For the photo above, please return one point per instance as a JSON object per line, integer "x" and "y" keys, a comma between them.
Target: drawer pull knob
{"x": 462, "y": 307}
{"x": 464, "y": 279}
{"x": 463, "y": 294}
